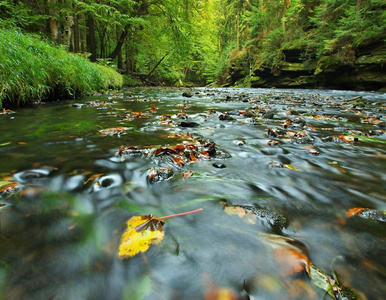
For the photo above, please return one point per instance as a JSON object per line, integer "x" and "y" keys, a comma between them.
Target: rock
{"x": 269, "y": 114}
{"x": 187, "y": 94}
{"x": 219, "y": 165}
{"x": 189, "y": 124}
{"x": 362, "y": 69}
{"x": 226, "y": 117}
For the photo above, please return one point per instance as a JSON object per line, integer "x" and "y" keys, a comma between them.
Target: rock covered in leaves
{"x": 191, "y": 150}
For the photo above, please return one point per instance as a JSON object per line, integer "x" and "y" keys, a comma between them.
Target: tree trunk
{"x": 68, "y": 31}
{"x": 76, "y": 34}
{"x": 118, "y": 48}
{"x": 54, "y": 24}
{"x": 91, "y": 40}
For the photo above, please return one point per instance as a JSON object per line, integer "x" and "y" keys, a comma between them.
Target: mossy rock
{"x": 328, "y": 64}
{"x": 366, "y": 60}
{"x": 295, "y": 67}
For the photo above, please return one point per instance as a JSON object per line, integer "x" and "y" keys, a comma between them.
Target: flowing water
{"x": 291, "y": 182}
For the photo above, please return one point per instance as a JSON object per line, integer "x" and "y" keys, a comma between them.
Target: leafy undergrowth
{"x": 34, "y": 70}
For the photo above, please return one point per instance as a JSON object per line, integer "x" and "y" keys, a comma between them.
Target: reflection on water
{"x": 277, "y": 173}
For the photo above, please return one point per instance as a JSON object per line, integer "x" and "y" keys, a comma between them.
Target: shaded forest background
{"x": 258, "y": 43}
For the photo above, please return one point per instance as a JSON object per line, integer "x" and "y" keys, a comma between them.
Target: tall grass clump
{"x": 32, "y": 69}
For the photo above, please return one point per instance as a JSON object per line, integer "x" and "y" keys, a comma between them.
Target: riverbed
{"x": 291, "y": 183}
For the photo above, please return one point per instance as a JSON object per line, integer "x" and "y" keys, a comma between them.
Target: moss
{"x": 294, "y": 67}
{"x": 371, "y": 59}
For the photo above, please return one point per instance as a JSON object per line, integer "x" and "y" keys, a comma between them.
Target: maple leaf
{"x": 142, "y": 231}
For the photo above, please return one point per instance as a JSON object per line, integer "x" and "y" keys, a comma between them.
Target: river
{"x": 291, "y": 183}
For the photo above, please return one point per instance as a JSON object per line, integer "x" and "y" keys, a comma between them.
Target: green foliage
{"x": 32, "y": 69}
{"x": 196, "y": 40}
{"x": 317, "y": 28}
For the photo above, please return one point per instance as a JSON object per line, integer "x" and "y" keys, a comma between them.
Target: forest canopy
{"x": 204, "y": 41}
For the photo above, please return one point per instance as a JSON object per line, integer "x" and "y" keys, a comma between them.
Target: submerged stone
{"x": 189, "y": 124}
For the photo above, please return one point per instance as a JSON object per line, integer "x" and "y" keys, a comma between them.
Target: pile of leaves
{"x": 190, "y": 150}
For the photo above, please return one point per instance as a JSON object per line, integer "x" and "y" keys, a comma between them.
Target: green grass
{"x": 32, "y": 69}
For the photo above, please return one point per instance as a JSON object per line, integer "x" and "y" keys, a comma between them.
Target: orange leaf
{"x": 179, "y": 147}
{"x": 91, "y": 178}
{"x": 187, "y": 174}
{"x": 178, "y": 160}
{"x": 291, "y": 261}
{"x": 140, "y": 233}
{"x": 9, "y": 187}
{"x": 346, "y": 138}
{"x": 204, "y": 154}
{"x": 192, "y": 157}
{"x": 22, "y": 143}
{"x": 355, "y": 211}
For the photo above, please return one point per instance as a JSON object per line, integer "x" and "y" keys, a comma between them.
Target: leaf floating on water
{"x": 159, "y": 174}
{"x": 347, "y": 138}
{"x": 320, "y": 279}
{"x": 292, "y": 261}
{"x": 187, "y": 174}
{"x": 248, "y": 216}
{"x": 291, "y": 167}
{"x": 215, "y": 292}
{"x": 8, "y": 188}
{"x": 114, "y": 131}
{"x": 178, "y": 160}
{"x": 92, "y": 177}
{"x": 354, "y": 211}
{"x": 141, "y": 232}
{"x": 367, "y": 213}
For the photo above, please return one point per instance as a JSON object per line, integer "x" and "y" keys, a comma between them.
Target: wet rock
{"x": 226, "y": 117}
{"x": 250, "y": 114}
{"x": 269, "y": 114}
{"x": 373, "y": 214}
{"x": 189, "y": 124}
{"x": 77, "y": 105}
{"x": 381, "y": 124}
{"x": 273, "y": 218}
{"x": 219, "y": 165}
{"x": 187, "y": 94}
{"x": 159, "y": 174}
{"x": 328, "y": 139}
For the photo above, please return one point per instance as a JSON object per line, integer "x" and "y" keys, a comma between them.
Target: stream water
{"x": 291, "y": 182}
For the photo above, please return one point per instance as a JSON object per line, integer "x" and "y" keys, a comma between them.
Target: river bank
{"x": 363, "y": 69}
{"x": 32, "y": 70}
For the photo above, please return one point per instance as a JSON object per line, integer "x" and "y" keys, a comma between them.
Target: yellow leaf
{"x": 247, "y": 216}
{"x": 140, "y": 233}
{"x": 291, "y": 167}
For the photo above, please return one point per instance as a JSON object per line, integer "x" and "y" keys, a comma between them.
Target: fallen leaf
{"x": 204, "y": 154}
{"x": 367, "y": 213}
{"x": 114, "y": 131}
{"x": 187, "y": 174}
{"x": 140, "y": 233}
{"x": 91, "y": 178}
{"x": 192, "y": 157}
{"x": 291, "y": 167}
{"x": 246, "y": 215}
{"x": 178, "y": 160}
{"x": 354, "y": 211}
{"x": 291, "y": 261}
